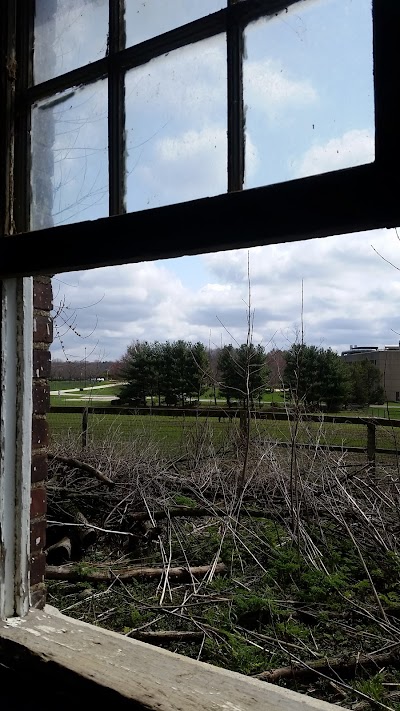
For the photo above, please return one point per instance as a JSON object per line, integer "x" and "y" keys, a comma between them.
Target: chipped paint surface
{"x": 151, "y": 678}
{"x": 15, "y": 444}
{"x": 14, "y": 621}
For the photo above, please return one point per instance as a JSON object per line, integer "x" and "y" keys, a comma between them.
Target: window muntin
{"x": 134, "y": 72}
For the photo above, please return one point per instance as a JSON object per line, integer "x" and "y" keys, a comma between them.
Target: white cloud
{"x": 189, "y": 165}
{"x": 350, "y": 296}
{"x": 270, "y": 88}
{"x": 354, "y": 147}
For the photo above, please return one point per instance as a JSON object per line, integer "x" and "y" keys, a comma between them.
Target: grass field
{"x": 174, "y": 434}
{"x": 91, "y": 396}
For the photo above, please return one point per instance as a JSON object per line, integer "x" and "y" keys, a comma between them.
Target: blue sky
{"x": 309, "y": 109}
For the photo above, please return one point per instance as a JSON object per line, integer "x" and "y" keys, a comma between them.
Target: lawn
{"x": 172, "y": 434}
{"x": 84, "y": 398}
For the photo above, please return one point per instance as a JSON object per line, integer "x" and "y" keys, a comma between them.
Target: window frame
{"x": 354, "y": 199}
{"x": 343, "y": 201}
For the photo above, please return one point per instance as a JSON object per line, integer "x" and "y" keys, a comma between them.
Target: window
{"x": 101, "y": 84}
{"x": 96, "y": 112}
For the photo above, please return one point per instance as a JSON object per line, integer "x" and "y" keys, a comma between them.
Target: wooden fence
{"x": 370, "y": 423}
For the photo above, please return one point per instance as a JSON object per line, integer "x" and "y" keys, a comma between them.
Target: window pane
{"x": 308, "y": 82}
{"x": 176, "y": 126}
{"x": 68, "y": 34}
{"x": 69, "y": 157}
{"x": 149, "y": 18}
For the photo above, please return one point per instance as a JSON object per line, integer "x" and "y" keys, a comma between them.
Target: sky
{"x": 308, "y": 90}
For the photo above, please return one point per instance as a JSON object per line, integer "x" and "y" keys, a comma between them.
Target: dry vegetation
{"x": 286, "y": 568}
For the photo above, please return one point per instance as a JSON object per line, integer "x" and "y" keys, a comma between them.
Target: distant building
{"x": 387, "y": 359}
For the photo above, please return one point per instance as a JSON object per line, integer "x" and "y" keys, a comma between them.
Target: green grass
{"x": 79, "y": 398}
{"x": 172, "y": 432}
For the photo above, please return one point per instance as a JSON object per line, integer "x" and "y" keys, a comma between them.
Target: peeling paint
{"x": 14, "y": 621}
{"x": 51, "y": 630}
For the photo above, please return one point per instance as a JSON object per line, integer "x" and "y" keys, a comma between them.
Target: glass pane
{"x": 149, "y": 18}
{"x": 308, "y": 82}
{"x": 176, "y": 126}
{"x": 68, "y": 34}
{"x": 70, "y": 157}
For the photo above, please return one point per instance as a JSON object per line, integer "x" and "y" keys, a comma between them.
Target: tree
{"x": 139, "y": 369}
{"x": 243, "y": 373}
{"x": 315, "y": 376}
{"x": 175, "y": 371}
{"x": 365, "y": 383}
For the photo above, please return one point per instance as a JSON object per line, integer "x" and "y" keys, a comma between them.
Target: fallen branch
{"x": 342, "y": 666}
{"x": 59, "y": 552}
{"x": 164, "y": 636}
{"x": 191, "y": 512}
{"x": 84, "y": 573}
{"x": 76, "y": 464}
{"x": 86, "y": 533}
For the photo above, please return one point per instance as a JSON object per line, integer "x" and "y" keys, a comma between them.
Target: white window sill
{"x": 136, "y": 672}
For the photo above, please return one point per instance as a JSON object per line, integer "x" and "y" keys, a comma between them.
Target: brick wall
{"x": 42, "y": 338}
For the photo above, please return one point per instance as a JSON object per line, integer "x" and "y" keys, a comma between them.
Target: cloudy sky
{"x": 308, "y": 88}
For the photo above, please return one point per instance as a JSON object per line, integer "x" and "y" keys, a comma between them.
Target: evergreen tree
{"x": 365, "y": 383}
{"x": 139, "y": 369}
{"x": 315, "y": 376}
{"x": 243, "y": 373}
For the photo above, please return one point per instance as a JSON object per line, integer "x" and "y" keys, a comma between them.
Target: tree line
{"x": 317, "y": 376}
{"x": 179, "y": 372}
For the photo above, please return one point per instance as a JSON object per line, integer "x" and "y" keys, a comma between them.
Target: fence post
{"x": 85, "y": 419}
{"x": 371, "y": 445}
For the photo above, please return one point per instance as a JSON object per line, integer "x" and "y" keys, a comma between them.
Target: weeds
{"x": 315, "y": 581}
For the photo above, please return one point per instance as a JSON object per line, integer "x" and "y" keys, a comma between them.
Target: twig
{"x": 76, "y": 464}
{"x": 76, "y": 572}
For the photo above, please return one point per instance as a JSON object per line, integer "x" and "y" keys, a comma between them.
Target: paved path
{"x": 90, "y": 387}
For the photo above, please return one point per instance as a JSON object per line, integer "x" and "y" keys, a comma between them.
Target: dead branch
{"x": 342, "y": 666}
{"x": 83, "y": 466}
{"x": 191, "y": 512}
{"x": 59, "y": 552}
{"x": 84, "y": 573}
{"x": 164, "y": 636}
{"x": 86, "y": 533}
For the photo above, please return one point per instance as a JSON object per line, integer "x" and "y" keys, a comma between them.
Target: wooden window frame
{"x": 355, "y": 199}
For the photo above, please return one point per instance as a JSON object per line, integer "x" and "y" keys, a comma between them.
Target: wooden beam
{"x": 83, "y": 661}
{"x": 334, "y": 203}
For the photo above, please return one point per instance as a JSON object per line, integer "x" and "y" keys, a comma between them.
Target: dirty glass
{"x": 67, "y": 35}
{"x": 308, "y": 91}
{"x": 149, "y": 18}
{"x": 176, "y": 126}
{"x": 70, "y": 157}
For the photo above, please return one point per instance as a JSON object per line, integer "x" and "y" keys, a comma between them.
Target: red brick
{"x": 38, "y": 536}
{"x": 42, "y": 296}
{"x": 41, "y": 363}
{"x": 40, "y": 432}
{"x": 41, "y": 398}
{"x": 38, "y": 502}
{"x": 37, "y": 568}
{"x": 39, "y": 468}
{"x": 42, "y": 329}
